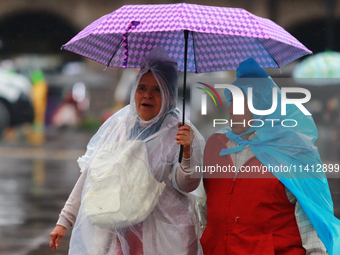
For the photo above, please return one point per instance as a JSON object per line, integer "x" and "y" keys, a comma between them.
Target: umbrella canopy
{"x": 218, "y": 39}
{"x": 323, "y": 65}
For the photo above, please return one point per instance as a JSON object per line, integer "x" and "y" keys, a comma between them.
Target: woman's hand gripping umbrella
{"x": 185, "y": 137}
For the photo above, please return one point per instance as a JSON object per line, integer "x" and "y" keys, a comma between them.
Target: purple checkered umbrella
{"x": 219, "y": 38}
{"x": 214, "y": 38}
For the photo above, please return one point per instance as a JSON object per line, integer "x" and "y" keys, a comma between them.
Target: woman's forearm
{"x": 186, "y": 177}
{"x": 69, "y": 213}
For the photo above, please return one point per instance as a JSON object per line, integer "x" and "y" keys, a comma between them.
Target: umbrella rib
{"x": 269, "y": 53}
{"x": 114, "y": 53}
{"x": 132, "y": 25}
{"x": 251, "y": 16}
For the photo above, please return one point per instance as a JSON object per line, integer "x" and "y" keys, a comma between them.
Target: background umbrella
{"x": 200, "y": 38}
{"x": 319, "y": 69}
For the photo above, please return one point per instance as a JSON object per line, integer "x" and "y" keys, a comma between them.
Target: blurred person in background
{"x": 67, "y": 113}
{"x": 16, "y": 106}
{"x": 39, "y": 99}
{"x": 144, "y": 135}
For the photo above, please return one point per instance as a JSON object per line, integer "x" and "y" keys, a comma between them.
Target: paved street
{"x": 35, "y": 183}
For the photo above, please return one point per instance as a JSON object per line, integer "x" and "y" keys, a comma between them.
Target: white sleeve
{"x": 185, "y": 178}
{"x": 69, "y": 213}
{"x": 309, "y": 237}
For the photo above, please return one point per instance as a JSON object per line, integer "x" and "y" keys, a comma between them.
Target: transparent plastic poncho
{"x": 126, "y": 143}
{"x": 290, "y": 147}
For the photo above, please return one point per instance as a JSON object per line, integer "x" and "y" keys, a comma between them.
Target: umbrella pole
{"x": 186, "y": 36}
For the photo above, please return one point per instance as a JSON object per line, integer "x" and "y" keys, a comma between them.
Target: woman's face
{"x": 148, "y": 97}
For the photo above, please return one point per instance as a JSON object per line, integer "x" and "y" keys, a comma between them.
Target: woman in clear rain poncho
{"x": 132, "y": 196}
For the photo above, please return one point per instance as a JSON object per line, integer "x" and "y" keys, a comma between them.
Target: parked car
{"x": 15, "y": 100}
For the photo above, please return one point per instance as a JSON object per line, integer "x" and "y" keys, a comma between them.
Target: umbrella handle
{"x": 186, "y": 36}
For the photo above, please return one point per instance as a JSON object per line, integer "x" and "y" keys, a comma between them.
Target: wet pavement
{"x": 35, "y": 182}
{"x": 34, "y": 185}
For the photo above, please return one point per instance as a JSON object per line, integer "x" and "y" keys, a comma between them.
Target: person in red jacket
{"x": 251, "y": 210}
